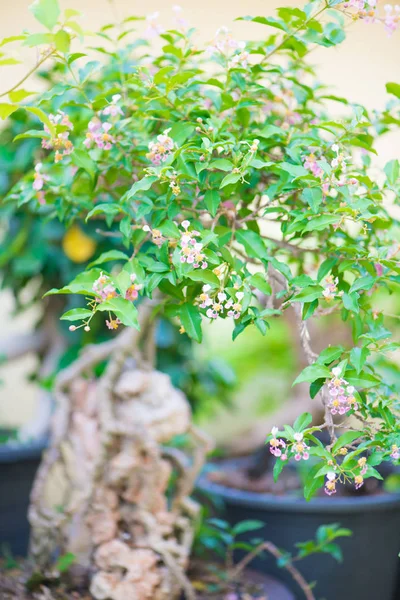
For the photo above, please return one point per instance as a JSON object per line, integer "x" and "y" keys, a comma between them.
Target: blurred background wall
{"x": 358, "y": 69}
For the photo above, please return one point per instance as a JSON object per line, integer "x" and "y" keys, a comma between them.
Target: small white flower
{"x": 206, "y": 288}
{"x": 331, "y": 476}
{"x": 274, "y": 431}
{"x": 335, "y": 148}
{"x": 185, "y": 224}
{"x": 146, "y": 228}
{"x": 298, "y": 437}
{"x": 336, "y": 371}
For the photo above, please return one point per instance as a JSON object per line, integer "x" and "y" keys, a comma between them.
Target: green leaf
{"x": 7, "y": 109}
{"x": 180, "y": 132}
{"x": 346, "y": 439}
{"x": 330, "y": 354}
{"x": 319, "y": 223}
{"x": 264, "y": 21}
{"x": 325, "y": 267}
{"x": 76, "y": 314}
{"x": 245, "y": 526}
{"x": 358, "y": 356}
{"x": 313, "y": 197}
{"x": 12, "y": 38}
{"x": 393, "y": 88}
{"x": 365, "y": 380}
{"x": 392, "y": 170}
{"x": 191, "y": 321}
{"x": 363, "y": 283}
{"x": 141, "y": 185}
{"x": 162, "y": 74}
{"x": 309, "y": 294}
{"x": 38, "y": 39}
{"x": 124, "y": 309}
{"x": 111, "y": 209}
{"x": 350, "y": 301}
{"x": 259, "y": 281}
{"x": 312, "y": 482}
{"x": 82, "y": 284}
{"x": 42, "y": 116}
{"x": 107, "y": 256}
{"x": 64, "y": 562}
{"x": 62, "y": 41}
{"x": 252, "y": 243}
{"x": 278, "y": 468}
{"x": 212, "y": 201}
{"x": 204, "y": 276}
{"x": 223, "y": 164}
{"x": 302, "y": 422}
{"x": 46, "y": 12}
{"x": 313, "y": 372}
{"x": 9, "y": 61}
{"x": 230, "y": 179}
{"x": 269, "y": 131}
{"x": 81, "y": 159}
{"x": 19, "y": 95}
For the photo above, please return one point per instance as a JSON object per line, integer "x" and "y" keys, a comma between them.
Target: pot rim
{"x": 15, "y": 450}
{"x": 285, "y": 503}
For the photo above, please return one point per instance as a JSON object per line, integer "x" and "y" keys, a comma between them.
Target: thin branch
{"x": 272, "y": 549}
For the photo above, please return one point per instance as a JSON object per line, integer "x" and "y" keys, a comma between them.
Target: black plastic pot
{"x": 18, "y": 465}
{"x": 369, "y": 569}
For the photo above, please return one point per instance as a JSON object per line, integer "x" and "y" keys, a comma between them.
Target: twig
{"x": 272, "y": 549}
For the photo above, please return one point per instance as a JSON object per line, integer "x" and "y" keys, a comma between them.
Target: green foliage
{"x": 211, "y": 179}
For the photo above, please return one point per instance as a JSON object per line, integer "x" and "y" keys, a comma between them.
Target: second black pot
{"x": 18, "y": 465}
{"x": 369, "y": 569}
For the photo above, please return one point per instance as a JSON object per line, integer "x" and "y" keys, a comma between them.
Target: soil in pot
{"x": 369, "y": 569}
{"x": 18, "y": 465}
{"x": 251, "y": 586}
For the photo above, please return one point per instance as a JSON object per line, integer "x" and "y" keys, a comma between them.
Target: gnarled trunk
{"x": 105, "y": 490}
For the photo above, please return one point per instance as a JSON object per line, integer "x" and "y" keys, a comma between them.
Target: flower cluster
{"x": 310, "y": 163}
{"x": 220, "y": 303}
{"x": 153, "y": 27}
{"x": 223, "y": 43}
{"x": 38, "y": 182}
{"x": 331, "y": 290}
{"x": 132, "y": 292}
{"x": 113, "y": 109}
{"x": 157, "y": 237}
{"x": 104, "y": 288}
{"x": 280, "y": 449}
{"x": 277, "y": 446}
{"x": 339, "y": 162}
{"x": 161, "y": 148}
{"x": 332, "y": 477}
{"x": 98, "y": 134}
{"x": 60, "y": 142}
{"x": 368, "y": 11}
{"x": 342, "y": 397}
{"x": 330, "y": 484}
{"x": 239, "y": 60}
{"x": 395, "y": 452}
{"x": 191, "y": 250}
{"x": 392, "y": 18}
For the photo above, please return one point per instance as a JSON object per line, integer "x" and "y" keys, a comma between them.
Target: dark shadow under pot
{"x": 369, "y": 568}
{"x": 18, "y": 465}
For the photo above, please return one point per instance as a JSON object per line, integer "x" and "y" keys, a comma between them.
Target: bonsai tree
{"x": 234, "y": 195}
{"x": 37, "y": 254}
